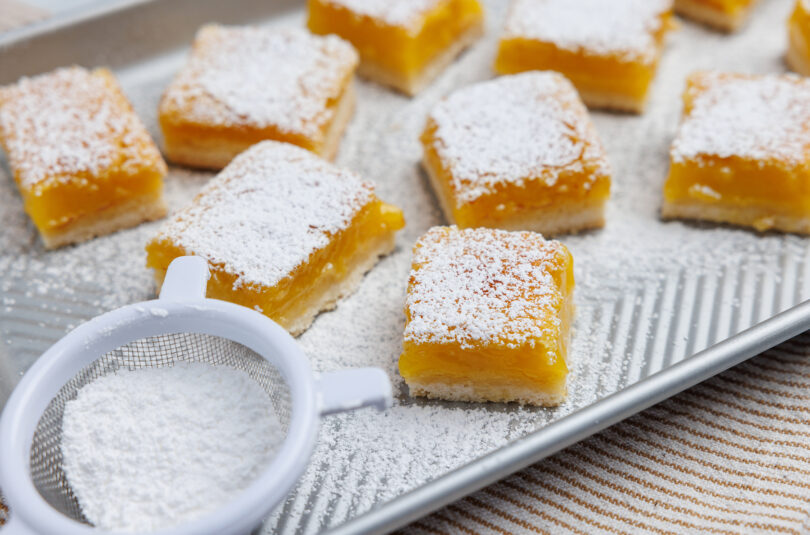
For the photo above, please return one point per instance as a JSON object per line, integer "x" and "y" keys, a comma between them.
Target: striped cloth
{"x": 730, "y": 456}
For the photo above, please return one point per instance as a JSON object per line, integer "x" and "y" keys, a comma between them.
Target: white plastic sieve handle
{"x": 186, "y": 279}
{"x": 348, "y": 390}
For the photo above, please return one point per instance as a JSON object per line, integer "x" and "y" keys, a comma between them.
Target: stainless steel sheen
{"x": 581, "y": 424}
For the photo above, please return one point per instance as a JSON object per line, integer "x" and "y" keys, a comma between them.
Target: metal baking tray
{"x": 651, "y": 296}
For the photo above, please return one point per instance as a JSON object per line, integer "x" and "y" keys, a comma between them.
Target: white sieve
{"x": 182, "y": 325}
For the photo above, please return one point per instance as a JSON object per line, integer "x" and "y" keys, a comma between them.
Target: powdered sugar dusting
{"x": 483, "y": 286}
{"x": 617, "y": 27}
{"x": 151, "y": 448}
{"x": 530, "y": 126}
{"x": 71, "y": 123}
{"x": 403, "y": 13}
{"x": 267, "y": 211}
{"x": 257, "y": 77}
{"x": 648, "y": 293}
{"x": 752, "y": 117}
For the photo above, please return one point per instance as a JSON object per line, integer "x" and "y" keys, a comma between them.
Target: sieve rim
{"x": 85, "y": 344}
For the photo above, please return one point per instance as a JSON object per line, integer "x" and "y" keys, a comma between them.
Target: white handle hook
{"x": 347, "y": 390}
{"x": 186, "y": 279}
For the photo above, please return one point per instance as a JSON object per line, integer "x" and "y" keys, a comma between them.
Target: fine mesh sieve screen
{"x": 156, "y": 351}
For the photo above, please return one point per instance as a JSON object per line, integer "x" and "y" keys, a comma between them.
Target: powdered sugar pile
{"x": 622, "y": 27}
{"x": 260, "y": 77}
{"x": 516, "y": 128}
{"x": 407, "y": 14}
{"x": 267, "y": 212}
{"x": 155, "y": 447}
{"x": 481, "y": 286}
{"x": 752, "y": 117}
{"x": 71, "y": 122}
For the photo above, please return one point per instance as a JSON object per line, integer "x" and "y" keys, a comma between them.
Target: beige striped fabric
{"x": 730, "y": 456}
{"x": 14, "y": 14}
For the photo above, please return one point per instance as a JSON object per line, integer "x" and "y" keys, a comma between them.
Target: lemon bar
{"x": 243, "y": 85}
{"x": 608, "y": 49}
{"x": 725, "y": 15}
{"x": 84, "y": 163}
{"x": 488, "y": 316}
{"x": 798, "y": 54}
{"x": 517, "y": 153}
{"x": 742, "y": 152}
{"x": 284, "y": 232}
{"x": 404, "y": 44}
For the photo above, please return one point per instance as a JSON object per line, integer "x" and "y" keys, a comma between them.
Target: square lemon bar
{"x": 608, "y": 49}
{"x": 517, "y": 153}
{"x": 798, "y": 54}
{"x": 404, "y": 44}
{"x": 742, "y": 152}
{"x": 725, "y": 15}
{"x": 243, "y": 85}
{"x": 82, "y": 160}
{"x": 284, "y": 232}
{"x": 488, "y": 317}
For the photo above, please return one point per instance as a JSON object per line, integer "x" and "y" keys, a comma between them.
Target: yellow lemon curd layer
{"x": 589, "y": 73}
{"x": 77, "y": 133}
{"x": 605, "y": 78}
{"x": 742, "y": 183}
{"x": 586, "y": 183}
{"x": 397, "y": 49}
{"x": 742, "y": 152}
{"x": 324, "y": 268}
{"x": 473, "y": 351}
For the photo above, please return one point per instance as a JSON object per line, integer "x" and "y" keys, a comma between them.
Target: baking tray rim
{"x": 61, "y": 21}
{"x": 579, "y": 425}
{"x": 538, "y": 444}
